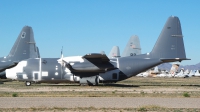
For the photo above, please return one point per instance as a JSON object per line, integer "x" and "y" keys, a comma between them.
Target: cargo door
{"x": 36, "y": 76}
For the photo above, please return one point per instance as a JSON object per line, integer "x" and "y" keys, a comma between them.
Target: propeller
{"x": 62, "y": 63}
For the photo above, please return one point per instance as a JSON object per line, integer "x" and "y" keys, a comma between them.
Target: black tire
{"x": 3, "y": 77}
{"x": 27, "y": 83}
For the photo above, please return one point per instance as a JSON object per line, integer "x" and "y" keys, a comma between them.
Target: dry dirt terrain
{"x": 148, "y": 94}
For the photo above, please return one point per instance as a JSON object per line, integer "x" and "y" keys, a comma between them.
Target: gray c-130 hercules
{"x": 98, "y": 68}
{"x": 24, "y": 48}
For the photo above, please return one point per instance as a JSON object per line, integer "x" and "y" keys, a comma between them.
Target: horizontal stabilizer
{"x": 10, "y": 66}
{"x": 174, "y": 59}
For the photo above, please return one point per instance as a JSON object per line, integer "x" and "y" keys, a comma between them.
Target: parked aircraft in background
{"x": 163, "y": 74}
{"x": 98, "y": 68}
{"x": 24, "y": 48}
{"x": 133, "y": 47}
{"x": 186, "y": 72}
{"x": 153, "y": 72}
{"x": 160, "y": 73}
{"x": 114, "y": 53}
{"x": 197, "y": 74}
{"x": 180, "y": 74}
{"x": 156, "y": 70}
{"x": 191, "y": 74}
{"x": 102, "y": 52}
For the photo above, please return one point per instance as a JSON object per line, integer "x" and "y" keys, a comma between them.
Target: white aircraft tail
{"x": 197, "y": 74}
{"x": 156, "y": 70}
{"x": 191, "y": 73}
{"x": 179, "y": 74}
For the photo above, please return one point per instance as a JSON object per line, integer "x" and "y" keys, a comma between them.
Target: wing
{"x": 99, "y": 60}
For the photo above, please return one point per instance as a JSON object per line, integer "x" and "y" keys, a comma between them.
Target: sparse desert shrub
{"x": 142, "y": 92}
{"x": 185, "y": 94}
{"x": 142, "y": 109}
{"x": 151, "y": 108}
{"x": 14, "y": 95}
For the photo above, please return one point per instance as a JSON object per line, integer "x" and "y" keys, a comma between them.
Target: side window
{"x": 114, "y": 76}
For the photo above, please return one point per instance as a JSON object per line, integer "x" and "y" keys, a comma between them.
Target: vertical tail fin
{"x": 102, "y": 52}
{"x": 25, "y": 46}
{"x": 197, "y": 73}
{"x": 156, "y": 70}
{"x": 133, "y": 47}
{"x": 170, "y": 42}
{"x": 191, "y": 73}
{"x": 114, "y": 52}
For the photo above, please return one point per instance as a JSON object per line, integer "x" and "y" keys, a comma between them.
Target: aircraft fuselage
{"x": 53, "y": 70}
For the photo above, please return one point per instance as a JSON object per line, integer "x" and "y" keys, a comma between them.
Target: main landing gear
{"x": 27, "y": 83}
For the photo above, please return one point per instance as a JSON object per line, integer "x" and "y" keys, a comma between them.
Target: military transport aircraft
{"x": 24, "y": 48}
{"x": 98, "y": 68}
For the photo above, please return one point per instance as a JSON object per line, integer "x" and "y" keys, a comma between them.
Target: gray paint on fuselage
{"x": 48, "y": 65}
{"x": 53, "y": 68}
{"x": 132, "y": 66}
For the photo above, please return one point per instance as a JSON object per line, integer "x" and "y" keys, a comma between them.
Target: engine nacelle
{"x": 94, "y": 80}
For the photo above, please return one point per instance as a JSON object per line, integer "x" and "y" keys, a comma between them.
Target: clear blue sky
{"x": 90, "y": 26}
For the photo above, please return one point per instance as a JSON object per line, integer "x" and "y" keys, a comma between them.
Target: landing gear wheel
{"x": 27, "y": 83}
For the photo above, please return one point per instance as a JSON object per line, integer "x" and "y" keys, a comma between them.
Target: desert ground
{"x": 133, "y": 94}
